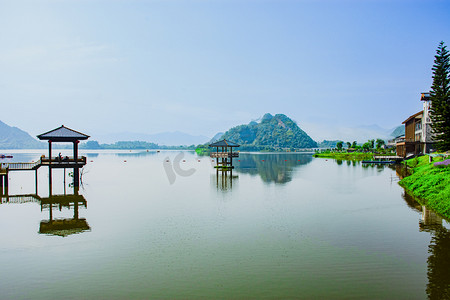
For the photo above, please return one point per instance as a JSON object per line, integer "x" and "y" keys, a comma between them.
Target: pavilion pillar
{"x": 217, "y": 158}
{"x": 50, "y": 182}
{"x": 231, "y": 156}
{"x": 222, "y": 157}
{"x": 76, "y": 170}
{"x": 49, "y": 152}
{"x": 50, "y": 166}
{"x": 36, "y": 181}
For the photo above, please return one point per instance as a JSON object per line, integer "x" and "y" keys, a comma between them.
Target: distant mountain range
{"x": 15, "y": 138}
{"x": 364, "y": 133}
{"x": 271, "y": 133}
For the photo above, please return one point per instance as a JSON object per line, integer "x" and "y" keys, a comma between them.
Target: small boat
{"x": 5, "y": 156}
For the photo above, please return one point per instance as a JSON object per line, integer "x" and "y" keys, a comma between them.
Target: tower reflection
{"x": 224, "y": 179}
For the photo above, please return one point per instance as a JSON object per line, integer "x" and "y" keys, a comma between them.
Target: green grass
{"x": 203, "y": 151}
{"x": 429, "y": 183}
{"x": 345, "y": 155}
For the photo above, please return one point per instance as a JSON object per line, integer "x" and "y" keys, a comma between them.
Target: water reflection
{"x": 224, "y": 179}
{"x": 54, "y": 226}
{"x": 438, "y": 286}
{"x": 66, "y": 226}
{"x": 438, "y": 271}
{"x": 276, "y": 168}
{"x": 411, "y": 202}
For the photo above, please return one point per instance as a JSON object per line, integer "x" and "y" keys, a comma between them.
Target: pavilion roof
{"x": 63, "y": 134}
{"x": 224, "y": 143}
{"x": 64, "y": 227}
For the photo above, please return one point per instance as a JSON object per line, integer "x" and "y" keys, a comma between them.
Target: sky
{"x": 203, "y": 66}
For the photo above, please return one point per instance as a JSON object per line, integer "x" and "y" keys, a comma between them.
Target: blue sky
{"x": 103, "y": 66}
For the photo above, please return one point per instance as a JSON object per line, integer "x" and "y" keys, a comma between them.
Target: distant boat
{"x": 5, "y": 156}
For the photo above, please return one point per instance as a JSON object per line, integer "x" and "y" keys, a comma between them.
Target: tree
{"x": 380, "y": 143}
{"x": 366, "y": 146}
{"x": 372, "y": 143}
{"x": 440, "y": 99}
{"x": 349, "y": 145}
{"x": 339, "y": 145}
{"x": 354, "y": 144}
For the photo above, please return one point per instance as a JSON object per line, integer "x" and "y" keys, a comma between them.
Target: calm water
{"x": 159, "y": 225}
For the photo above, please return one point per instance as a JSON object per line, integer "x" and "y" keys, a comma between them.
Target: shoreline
{"x": 429, "y": 184}
{"x": 345, "y": 155}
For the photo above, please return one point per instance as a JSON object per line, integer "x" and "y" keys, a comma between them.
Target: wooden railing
{"x": 64, "y": 159}
{"x": 224, "y": 154}
{"x": 19, "y": 199}
{"x": 43, "y": 161}
{"x": 23, "y": 166}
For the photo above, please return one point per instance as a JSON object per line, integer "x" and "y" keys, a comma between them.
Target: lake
{"x": 167, "y": 225}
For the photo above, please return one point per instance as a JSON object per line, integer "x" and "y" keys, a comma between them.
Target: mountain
{"x": 328, "y": 144}
{"x": 216, "y": 137}
{"x": 271, "y": 133}
{"x": 398, "y": 131}
{"x": 15, "y": 138}
{"x": 175, "y": 138}
{"x": 361, "y": 133}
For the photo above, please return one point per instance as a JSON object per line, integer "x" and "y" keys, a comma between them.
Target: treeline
{"x": 370, "y": 145}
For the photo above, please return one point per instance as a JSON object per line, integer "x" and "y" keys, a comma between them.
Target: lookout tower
{"x": 64, "y": 135}
{"x": 224, "y": 158}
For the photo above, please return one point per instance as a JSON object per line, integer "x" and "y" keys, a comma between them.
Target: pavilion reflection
{"x": 67, "y": 226}
{"x": 55, "y": 225}
{"x": 438, "y": 270}
{"x": 224, "y": 179}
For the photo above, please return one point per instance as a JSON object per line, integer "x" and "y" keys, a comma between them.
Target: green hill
{"x": 272, "y": 133}
{"x": 398, "y": 131}
{"x": 15, "y": 138}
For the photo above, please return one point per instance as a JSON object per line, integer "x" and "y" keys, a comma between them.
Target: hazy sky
{"x": 200, "y": 67}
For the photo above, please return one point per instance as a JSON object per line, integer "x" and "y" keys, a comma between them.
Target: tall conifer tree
{"x": 440, "y": 98}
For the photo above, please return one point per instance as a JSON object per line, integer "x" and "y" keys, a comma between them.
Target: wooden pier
{"x": 54, "y": 162}
{"x": 60, "y": 134}
{"x": 383, "y": 159}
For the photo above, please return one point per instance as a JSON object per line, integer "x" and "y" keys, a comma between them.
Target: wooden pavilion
{"x": 64, "y": 135}
{"x": 224, "y": 158}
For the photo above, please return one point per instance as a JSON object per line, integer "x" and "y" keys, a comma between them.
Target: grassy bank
{"x": 345, "y": 155}
{"x": 429, "y": 183}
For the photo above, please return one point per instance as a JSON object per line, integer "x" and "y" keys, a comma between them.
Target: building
{"x": 410, "y": 143}
{"x": 427, "y": 135}
{"x": 418, "y": 136}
